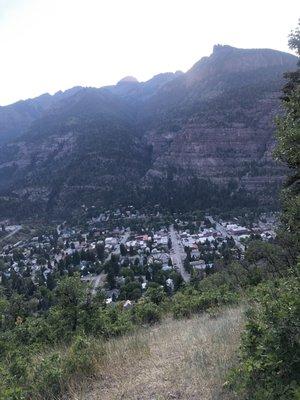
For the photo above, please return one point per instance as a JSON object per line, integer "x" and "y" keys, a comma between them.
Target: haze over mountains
{"x": 204, "y": 137}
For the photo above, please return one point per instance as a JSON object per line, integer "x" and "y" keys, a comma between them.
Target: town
{"x": 121, "y": 253}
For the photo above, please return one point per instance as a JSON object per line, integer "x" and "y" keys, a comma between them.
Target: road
{"x": 221, "y": 229}
{"x": 18, "y": 228}
{"x": 97, "y": 281}
{"x": 100, "y": 279}
{"x": 178, "y": 254}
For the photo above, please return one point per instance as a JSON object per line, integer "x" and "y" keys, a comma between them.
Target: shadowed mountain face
{"x": 16, "y": 118}
{"x": 203, "y": 138}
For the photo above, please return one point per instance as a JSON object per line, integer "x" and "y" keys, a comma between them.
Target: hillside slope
{"x": 16, "y": 118}
{"x": 178, "y": 359}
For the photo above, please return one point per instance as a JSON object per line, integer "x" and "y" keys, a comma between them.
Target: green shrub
{"x": 18, "y": 363}
{"x": 82, "y": 356}
{"x": 146, "y": 312}
{"x": 194, "y": 301}
{"x": 9, "y": 388}
{"x": 111, "y": 322}
{"x": 48, "y": 379}
{"x": 12, "y": 393}
{"x": 155, "y": 294}
{"x": 269, "y": 365}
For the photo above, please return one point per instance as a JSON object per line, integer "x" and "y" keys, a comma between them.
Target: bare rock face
{"x": 220, "y": 124}
{"x": 138, "y": 142}
{"x": 227, "y": 59}
{"x": 221, "y": 151}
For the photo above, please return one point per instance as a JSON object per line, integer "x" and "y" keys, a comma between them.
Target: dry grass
{"x": 185, "y": 359}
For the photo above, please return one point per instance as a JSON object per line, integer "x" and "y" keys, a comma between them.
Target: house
{"x": 170, "y": 283}
{"x": 200, "y": 264}
{"x": 234, "y": 229}
{"x": 127, "y": 305}
{"x": 204, "y": 239}
{"x": 111, "y": 241}
{"x": 163, "y": 257}
{"x": 195, "y": 253}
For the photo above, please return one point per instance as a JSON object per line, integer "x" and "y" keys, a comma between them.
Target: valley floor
{"x": 178, "y": 359}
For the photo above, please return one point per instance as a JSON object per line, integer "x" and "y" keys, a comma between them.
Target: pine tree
{"x": 288, "y": 151}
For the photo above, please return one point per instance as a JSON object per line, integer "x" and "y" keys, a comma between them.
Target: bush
{"x": 12, "y": 393}
{"x": 146, "y": 312}
{"x": 9, "y": 388}
{"x": 194, "y": 301}
{"x": 82, "y": 356}
{"x": 48, "y": 378}
{"x": 182, "y": 307}
{"x": 269, "y": 365}
{"x": 155, "y": 294}
{"x": 111, "y": 322}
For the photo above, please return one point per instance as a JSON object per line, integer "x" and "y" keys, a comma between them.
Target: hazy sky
{"x": 48, "y": 45}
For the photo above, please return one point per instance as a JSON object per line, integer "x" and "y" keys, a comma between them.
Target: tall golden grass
{"x": 178, "y": 359}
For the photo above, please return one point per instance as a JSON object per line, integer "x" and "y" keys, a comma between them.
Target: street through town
{"x": 178, "y": 254}
{"x": 16, "y": 230}
{"x": 99, "y": 279}
{"x": 222, "y": 230}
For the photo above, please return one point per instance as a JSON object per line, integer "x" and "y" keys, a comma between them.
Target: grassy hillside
{"x": 178, "y": 359}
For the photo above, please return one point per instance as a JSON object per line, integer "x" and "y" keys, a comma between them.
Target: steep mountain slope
{"x": 217, "y": 120}
{"x": 205, "y": 136}
{"x": 16, "y": 118}
{"x": 82, "y": 148}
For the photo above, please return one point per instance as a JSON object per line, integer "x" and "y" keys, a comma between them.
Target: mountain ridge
{"x": 117, "y": 143}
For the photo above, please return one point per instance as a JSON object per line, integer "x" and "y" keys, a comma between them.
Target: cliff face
{"x": 217, "y": 120}
{"x": 119, "y": 143}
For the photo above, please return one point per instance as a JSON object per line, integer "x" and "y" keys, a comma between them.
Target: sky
{"x": 51, "y": 45}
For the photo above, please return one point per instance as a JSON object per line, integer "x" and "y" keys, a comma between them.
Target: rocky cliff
{"x": 205, "y": 136}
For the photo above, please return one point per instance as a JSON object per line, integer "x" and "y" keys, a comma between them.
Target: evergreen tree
{"x": 288, "y": 151}
{"x": 100, "y": 251}
{"x": 70, "y": 295}
{"x": 123, "y": 250}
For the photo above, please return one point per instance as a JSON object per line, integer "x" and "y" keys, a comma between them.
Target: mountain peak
{"x": 228, "y": 59}
{"x": 128, "y": 79}
{"x": 222, "y": 48}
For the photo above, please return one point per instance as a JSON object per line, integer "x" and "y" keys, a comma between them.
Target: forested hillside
{"x": 206, "y": 134}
